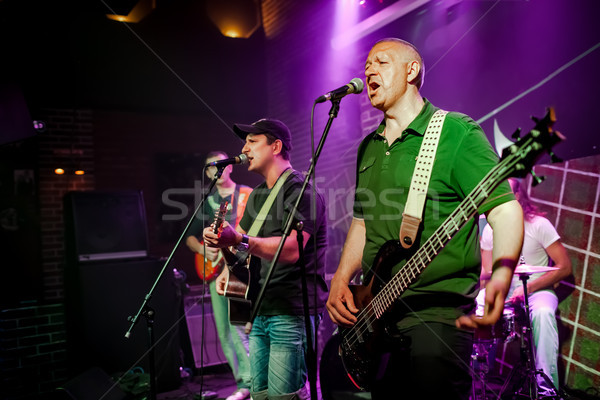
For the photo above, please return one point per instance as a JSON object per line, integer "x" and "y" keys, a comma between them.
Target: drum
{"x": 502, "y": 331}
{"x": 486, "y": 344}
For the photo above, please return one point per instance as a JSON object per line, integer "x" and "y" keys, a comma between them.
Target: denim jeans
{"x": 277, "y": 348}
{"x": 234, "y": 341}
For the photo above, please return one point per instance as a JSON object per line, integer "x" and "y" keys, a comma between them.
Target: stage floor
{"x": 217, "y": 380}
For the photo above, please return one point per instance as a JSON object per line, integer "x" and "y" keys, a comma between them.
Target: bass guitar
{"x": 358, "y": 344}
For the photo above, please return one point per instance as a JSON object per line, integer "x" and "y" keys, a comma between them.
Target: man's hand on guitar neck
{"x": 226, "y": 237}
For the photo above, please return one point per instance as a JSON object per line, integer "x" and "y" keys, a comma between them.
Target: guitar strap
{"x": 413, "y": 210}
{"x": 233, "y": 206}
{"x": 266, "y": 207}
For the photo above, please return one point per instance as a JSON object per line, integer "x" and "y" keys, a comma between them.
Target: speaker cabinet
{"x": 208, "y": 349}
{"x": 105, "y": 225}
{"x": 92, "y": 384}
{"x": 99, "y": 298}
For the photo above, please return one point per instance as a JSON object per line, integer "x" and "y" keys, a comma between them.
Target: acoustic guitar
{"x": 241, "y": 287}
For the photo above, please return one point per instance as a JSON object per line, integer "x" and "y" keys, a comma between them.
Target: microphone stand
{"x": 312, "y": 366}
{"x": 311, "y": 356}
{"x": 148, "y": 312}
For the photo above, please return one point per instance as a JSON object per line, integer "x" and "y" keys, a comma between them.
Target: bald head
{"x": 410, "y": 53}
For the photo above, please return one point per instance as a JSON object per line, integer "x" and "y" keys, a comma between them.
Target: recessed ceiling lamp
{"x": 137, "y": 13}
{"x": 234, "y": 18}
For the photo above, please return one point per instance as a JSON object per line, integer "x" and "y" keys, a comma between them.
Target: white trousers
{"x": 542, "y": 310}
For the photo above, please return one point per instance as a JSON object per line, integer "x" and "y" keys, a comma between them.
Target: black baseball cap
{"x": 273, "y": 127}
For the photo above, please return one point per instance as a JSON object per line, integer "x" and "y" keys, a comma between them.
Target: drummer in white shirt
{"x": 541, "y": 244}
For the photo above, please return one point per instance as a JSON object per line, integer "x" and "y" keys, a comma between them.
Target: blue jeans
{"x": 277, "y": 348}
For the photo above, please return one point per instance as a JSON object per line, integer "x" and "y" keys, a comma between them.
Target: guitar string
{"x": 390, "y": 292}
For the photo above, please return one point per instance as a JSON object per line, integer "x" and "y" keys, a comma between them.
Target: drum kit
{"x": 522, "y": 382}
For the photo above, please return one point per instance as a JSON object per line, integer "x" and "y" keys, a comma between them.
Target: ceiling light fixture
{"x": 137, "y": 13}
{"x": 235, "y": 18}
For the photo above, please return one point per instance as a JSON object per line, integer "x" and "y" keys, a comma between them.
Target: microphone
{"x": 356, "y": 85}
{"x": 241, "y": 159}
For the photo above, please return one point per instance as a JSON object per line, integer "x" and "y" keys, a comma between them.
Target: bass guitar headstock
{"x": 521, "y": 156}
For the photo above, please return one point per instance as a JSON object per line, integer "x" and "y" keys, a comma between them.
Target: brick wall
{"x": 32, "y": 338}
{"x": 32, "y": 351}
{"x": 67, "y": 143}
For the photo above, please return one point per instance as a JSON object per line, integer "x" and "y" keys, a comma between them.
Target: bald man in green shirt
{"x": 429, "y": 340}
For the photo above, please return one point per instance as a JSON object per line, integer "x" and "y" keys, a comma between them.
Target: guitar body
{"x": 359, "y": 347}
{"x": 237, "y": 289}
{"x": 239, "y": 282}
{"x": 209, "y": 270}
{"x": 333, "y": 377}
{"x": 241, "y": 286}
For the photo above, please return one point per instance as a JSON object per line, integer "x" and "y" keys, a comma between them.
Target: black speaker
{"x": 92, "y": 384}
{"x": 105, "y": 225}
{"x": 100, "y": 296}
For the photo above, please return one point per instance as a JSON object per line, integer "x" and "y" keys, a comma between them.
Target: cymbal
{"x": 524, "y": 269}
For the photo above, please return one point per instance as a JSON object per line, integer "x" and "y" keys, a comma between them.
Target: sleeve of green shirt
{"x": 474, "y": 159}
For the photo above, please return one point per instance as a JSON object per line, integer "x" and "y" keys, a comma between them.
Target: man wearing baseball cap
{"x": 277, "y": 339}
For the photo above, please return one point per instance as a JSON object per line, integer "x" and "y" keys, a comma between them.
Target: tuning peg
{"x": 517, "y": 134}
{"x": 554, "y": 158}
{"x": 536, "y": 179}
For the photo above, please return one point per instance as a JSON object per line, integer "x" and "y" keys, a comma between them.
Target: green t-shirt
{"x": 447, "y": 287}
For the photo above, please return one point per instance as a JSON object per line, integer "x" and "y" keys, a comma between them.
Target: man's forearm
{"x": 350, "y": 261}
{"x": 267, "y": 247}
{"x": 506, "y": 220}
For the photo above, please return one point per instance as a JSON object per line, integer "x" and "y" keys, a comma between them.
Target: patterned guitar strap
{"x": 413, "y": 210}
